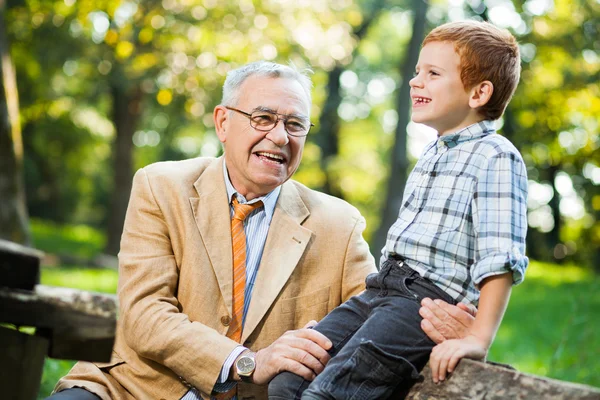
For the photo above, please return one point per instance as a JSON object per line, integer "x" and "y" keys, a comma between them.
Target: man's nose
{"x": 278, "y": 134}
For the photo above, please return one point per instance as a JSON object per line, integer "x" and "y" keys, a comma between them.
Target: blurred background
{"x": 95, "y": 89}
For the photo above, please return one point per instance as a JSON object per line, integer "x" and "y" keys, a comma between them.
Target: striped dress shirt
{"x": 463, "y": 216}
{"x": 256, "y": 228}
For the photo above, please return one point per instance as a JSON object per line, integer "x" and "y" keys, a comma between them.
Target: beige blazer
{"x": 175, "y": 280}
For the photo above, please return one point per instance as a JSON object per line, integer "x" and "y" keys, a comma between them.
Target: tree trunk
{"x": 553, "y": 237}
{"x": 399, "y": 157}
{"x": 126, "y": 114}
{"x": 13, "y": 212}
{"x": 329, "y": 122}
{"x": 329, "y": 130}
{"x": 474, "y": 380}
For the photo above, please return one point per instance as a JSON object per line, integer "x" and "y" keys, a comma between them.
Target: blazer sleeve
{"x": 358, "y": 262}
{"x": 152, "y": 323}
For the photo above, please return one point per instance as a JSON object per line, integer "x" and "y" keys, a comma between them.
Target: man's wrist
{"x": 234, "y": 372}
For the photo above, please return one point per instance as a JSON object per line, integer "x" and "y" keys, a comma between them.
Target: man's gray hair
{"x": 235, "y": 78}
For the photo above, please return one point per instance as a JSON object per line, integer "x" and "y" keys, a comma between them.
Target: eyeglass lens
{"x": 264, "y": 120}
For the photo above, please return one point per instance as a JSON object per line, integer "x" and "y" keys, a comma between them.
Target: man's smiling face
{"x": 258, "y": 162}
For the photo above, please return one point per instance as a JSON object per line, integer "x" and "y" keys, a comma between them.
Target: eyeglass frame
{"x": 279, "y": 118}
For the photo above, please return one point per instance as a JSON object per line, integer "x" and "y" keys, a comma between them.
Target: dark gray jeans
{"x": 379, "y": 347}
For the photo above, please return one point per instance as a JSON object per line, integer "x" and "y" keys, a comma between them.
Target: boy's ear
{"x": 481, "y": 94}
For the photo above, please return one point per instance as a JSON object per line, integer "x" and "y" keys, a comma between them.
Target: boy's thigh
{"x": 388, "y": 350}
{"x": 338, "y": 326}
{"x": 342, "y": 322}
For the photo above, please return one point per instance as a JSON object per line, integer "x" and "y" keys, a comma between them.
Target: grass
{"x": 81, "y": 241}
{"x": 550, "y": 328}
{"x": 551, "y": 325}
{"x": 75, "y": 240}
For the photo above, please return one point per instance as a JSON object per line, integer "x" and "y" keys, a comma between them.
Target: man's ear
{"x": 221, "y": 119}
{"x": 481, "y": 94}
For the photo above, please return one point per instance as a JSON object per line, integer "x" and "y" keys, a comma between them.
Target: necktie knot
{"x": 241, "y": 211}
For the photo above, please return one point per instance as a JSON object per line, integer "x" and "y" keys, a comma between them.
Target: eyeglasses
{"x": 264, "y": 121}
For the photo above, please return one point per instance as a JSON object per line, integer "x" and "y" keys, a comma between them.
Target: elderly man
{"x": 226, "y": 262}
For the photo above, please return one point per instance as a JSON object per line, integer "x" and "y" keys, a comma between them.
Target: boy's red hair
{"x": 487, "y": 53}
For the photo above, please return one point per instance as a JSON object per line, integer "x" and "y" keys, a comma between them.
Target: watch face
{"x": 245, "y": 365}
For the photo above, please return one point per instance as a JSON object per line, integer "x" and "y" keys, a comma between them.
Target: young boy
{"x": 460, "y": 232}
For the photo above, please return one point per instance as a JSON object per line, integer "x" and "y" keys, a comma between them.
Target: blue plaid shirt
{"x": 463, "y": 216}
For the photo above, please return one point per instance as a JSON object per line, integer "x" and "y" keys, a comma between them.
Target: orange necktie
{"x": 238, "y": 240}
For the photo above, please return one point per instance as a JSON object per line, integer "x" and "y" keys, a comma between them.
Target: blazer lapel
{"x": 211, "y": 212}
{"x": 286, "y": 243}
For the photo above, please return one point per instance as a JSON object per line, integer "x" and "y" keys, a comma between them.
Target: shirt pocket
{"x": 447, "y": 203}
{"x": 302, "y": 309}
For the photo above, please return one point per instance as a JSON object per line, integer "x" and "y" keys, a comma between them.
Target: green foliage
{"x": 70, "y": 56}
{"x": 53, "y": 371}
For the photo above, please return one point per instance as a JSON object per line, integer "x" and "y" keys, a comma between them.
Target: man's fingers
{"x": 298, "y": 369}
{"x": 310, "y": 324}
{"x": 311, "y": 348}
{"x": 307, "y": 359}
{"x": 457, "y": 313}
{"x": 313, "y": 336}
{"x": 430, "y": 331}
{"x": 471, "y": 309}
{"x": 440, "y": 319}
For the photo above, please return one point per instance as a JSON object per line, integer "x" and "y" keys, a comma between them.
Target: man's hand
{"x": 303, "y": 352}
{"x": 442, "y": 321}
{"x": 445, "y": 356}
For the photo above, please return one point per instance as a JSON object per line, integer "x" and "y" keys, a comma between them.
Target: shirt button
{"x": 226, "y": 320}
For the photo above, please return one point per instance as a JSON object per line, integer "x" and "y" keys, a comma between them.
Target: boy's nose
{"x": 415, "y": 82}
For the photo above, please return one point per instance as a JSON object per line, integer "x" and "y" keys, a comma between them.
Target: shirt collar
{"x": 471, "y": 132}
{"x": 269, "y": 200}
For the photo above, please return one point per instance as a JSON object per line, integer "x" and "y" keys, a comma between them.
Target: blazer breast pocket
{"x": 302, "y": 309}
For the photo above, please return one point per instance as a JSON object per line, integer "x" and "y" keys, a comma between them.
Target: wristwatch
{"x": 245, "y": 366}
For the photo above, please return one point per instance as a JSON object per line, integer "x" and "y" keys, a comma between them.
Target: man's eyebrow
{"x": 293, "y": 115}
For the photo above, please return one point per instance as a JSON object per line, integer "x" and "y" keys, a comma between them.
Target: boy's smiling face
{"x": 439, "y": 98}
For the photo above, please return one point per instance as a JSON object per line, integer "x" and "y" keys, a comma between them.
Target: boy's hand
{"x": 445, "y": 356}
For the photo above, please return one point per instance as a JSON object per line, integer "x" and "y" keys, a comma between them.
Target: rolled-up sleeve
{"x": 500, "y": 219}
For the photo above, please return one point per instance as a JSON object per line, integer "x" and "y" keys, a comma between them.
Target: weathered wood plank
{"x": 19, "y": 266}
{"x": 80, "y": 325}
{"x": 474, "y": 380}
{"x": 22, "y": 361}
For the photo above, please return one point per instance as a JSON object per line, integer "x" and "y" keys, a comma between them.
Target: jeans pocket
{"x": 370, "y": 373}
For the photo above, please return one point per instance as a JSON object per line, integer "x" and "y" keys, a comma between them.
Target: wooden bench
{"x": 61, "y": 323}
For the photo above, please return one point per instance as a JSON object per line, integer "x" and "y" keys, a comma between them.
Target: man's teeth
{"x": 422, "y": 100}
{"x": 270, "y": 155}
